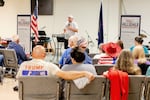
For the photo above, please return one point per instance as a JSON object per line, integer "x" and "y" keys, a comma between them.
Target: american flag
{"x": 34, "y": 23}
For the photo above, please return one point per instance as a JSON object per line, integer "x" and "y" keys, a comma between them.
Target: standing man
{"x": 70, "y": 29}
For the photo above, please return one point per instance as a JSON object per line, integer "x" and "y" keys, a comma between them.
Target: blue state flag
{"x": 100, "y": 28}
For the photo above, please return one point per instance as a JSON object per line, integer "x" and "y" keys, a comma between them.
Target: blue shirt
{"x": 21, "y": 56}
{"x": 66, "y": 58}
{"x": 145, "y": 49}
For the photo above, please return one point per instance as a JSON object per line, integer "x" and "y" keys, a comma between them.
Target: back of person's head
{"x": 125, "y": 61}
{"x": 139, "y": 39}
{"x": 77, "y": 55}
{"x": 73, "y": 41}
{"x": 15, "y": 38}
{"x": 38, "y": 52}
{"x": 120, "y": 43}
{"x": 111, "y": 49}
{"x": 138, "y": 54}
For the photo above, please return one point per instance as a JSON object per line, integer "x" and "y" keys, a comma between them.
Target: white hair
{"x": 15, "y": 38}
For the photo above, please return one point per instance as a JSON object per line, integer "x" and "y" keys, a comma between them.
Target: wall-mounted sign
{"x": 129, "y": 29}
{"x": 24, "y": 31}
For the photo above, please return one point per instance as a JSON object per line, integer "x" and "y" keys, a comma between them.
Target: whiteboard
{"x": 24, "y": 32}
{"x": 129, "y": 29}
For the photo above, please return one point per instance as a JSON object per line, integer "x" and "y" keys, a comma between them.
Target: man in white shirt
{"x": 70, "y": 29}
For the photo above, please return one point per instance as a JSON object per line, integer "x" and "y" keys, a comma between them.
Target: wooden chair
{"x": 39, "y": 88}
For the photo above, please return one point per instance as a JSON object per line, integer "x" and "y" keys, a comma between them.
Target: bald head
{"x": 38, "y": 52}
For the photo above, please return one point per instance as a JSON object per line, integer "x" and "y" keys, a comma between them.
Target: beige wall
{"x": 86, "y": 13}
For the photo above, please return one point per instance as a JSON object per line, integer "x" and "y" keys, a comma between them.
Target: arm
{"x": 71, "y": 75}
{"x": 72, "y": 29}
{"x": 21, "y": 53}
{"x": 63, "y": 57}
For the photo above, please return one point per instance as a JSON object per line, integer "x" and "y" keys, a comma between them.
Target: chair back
{"x": 10, "y": 58}
{"x": 95, "y": 61}
{"x": 39, "y": 88}
{"x": 136, "y": 87}
{"x": 92, "y": 54}
{"x": 10, "y": 61}
{"x": 100, "y": 68}
{"x": 93, "y": 91}
{"x": 147, "y": 88}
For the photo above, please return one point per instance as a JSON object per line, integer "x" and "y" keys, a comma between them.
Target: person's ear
{"x": 43, "y": 54}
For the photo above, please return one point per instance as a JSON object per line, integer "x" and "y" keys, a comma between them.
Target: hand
{"x": 69, "y": 27}
{"x": 90, "y": 76}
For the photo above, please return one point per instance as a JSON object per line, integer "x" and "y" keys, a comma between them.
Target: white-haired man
{"x": 21, "y": 56}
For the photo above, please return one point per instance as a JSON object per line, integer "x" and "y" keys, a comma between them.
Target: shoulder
{"x": 88, "y": 65}
{"x": 66, "y": 67}
{"x": 67, "y": 51}
{"x": 137, "y": 70}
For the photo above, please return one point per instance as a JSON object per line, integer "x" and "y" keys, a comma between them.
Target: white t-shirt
{"x": 70, "y": 32}
{"x": 37, "y": 67}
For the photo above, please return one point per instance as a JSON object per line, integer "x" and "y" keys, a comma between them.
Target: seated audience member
{"x": 118, "y": 75}
{"x": 71, "y": 44}
{"x": 77, "y": 58}
{"x": 120, "y": 43}
{"x": 1, "y": 60}
{"x": 21, "y": 56}
{"x": 1, "y": 46}
{"x": 1, "y": 56}
{"x": 112, "y": 50}
{"x": 125, "y": 63}
{"x": 138, "y": 41}
{"x": 81, "y": 43}
{"x": 140, "y": 59}
{"x": 101, "y": 52}
{"x": 148, "y": 71}
{"x": 38, "y": 67}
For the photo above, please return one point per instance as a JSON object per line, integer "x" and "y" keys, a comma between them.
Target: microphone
{"x": 68, "y": 24}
